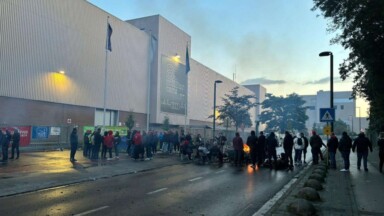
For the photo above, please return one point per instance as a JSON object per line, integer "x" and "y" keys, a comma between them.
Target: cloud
{"x": 262, "y": 81}
{"x": 323, "y": 81}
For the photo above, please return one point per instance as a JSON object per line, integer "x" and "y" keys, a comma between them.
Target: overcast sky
{"x": 272, "y": 43}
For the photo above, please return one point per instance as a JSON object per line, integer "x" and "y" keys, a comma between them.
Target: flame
{"x": 246, "y": 148}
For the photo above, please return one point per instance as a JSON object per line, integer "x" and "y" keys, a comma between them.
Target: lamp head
{"x": 218, "y": 81}
{"x": 326, "y": 53}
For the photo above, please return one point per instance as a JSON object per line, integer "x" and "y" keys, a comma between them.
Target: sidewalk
{"x": 345, "y": 193}
{"x": 40, "y": 170}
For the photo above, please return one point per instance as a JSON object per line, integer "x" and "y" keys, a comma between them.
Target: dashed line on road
{"x": 92, "y": 211}
{"x": 195, "y": 179}
{"x": 157, "y": 191}
{"x": 220, "y": 171}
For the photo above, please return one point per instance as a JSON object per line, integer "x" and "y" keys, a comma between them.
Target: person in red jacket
{"x": 138, "y": 145}
{"x": 108, "y": 142}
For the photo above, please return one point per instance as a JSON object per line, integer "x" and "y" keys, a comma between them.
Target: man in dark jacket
{"x": 332, "y": 145}
{"x": 15, "y": 144}
{"x": 288, "y": 146}
{"x": 238, "y": 149}
{"x": 74, "y": 141}
{"x": 345, "y": 145}
{"x": 98, "y": 139}
{"x": 361, "y": 145}
{"x": 252, "y": 143}
{"x": 271, "y": 143}
{"x": 261, "y": 149}
{"x": 306, "y": 144}
{"x": 316, "y": 143}
{"x": 4, "y": 148}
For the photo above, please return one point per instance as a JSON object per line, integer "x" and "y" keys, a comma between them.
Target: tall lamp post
{"x": 214, "y": 107}
{"x": 359, "y": 119}
{"x": 328, "y": 53}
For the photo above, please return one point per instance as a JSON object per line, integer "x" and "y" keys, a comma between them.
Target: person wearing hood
{"x": 345, "y": 145}
{"x": 271, "y": 144}
{"x": 380, "y": 143}
{"x": 316, "y": 142}
{"x": 299, "y": 146}
{"x": 15, "y": 144}
{"x": 332, "y": 145}
{"x": 361, "y": 145}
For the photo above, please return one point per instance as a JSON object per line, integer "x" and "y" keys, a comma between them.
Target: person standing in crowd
{"x": 271, "y": 144}
{"x": 104, "y": 146}
{"x": 332, "y": 146}
{"x": 108, "y": 142}
{"x": 288, "y": 146}
{"x": 345, "y": 145}
{"x": 116, "y": 142}
{"x": 87, "y": 144}
{"x": 4, "y": 148}
{"x": 98, "y": 140}
{"x": 129, "y": 142}
{"x": 306, "y": 143}
{"x": 155, "y": 141}
{"x": 15, "y": 144}
{"x": 176, "y": 142}
{"x": 299, "y": 144}
{"x": 380, "y": 143}
{"x": 138, "y": 146}
{"x": 361, "y": 144}
{"x": 252, "y": 143}
{"x": 238, "y": 149}
{"x": 316, "y": 143}
{"x": 74, "y": 142}
{"x": 261, "y": 148}
{"x": 221, "y": 141}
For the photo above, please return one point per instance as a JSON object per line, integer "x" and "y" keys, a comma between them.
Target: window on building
{"x": 341, "y": 107}
{"x": 111, "y": 117}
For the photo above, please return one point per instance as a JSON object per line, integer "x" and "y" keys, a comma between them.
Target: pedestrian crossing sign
{"x": 327, "y": 115}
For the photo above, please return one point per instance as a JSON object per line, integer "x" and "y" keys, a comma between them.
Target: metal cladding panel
{"x": 200, "y": 91}
{"x": 41, "y": 37}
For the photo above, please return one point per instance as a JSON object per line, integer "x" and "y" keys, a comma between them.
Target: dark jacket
{"x": 98, "y": 139}
{"x": 315, "y": 141}
{"x": 271, "y": 143}
{"x": 74, "y": 139}
{"x": 252, "y": 142}
{"x": 288, "y": 141}
{"x": 16, "y": 138}
{"x": 306, "y": 143}
{"x": 361, "y": 144}
{"x": 332, "y": 144}
{"x": 345, "y": 143}
{"x": 261, "y": 142}
{"x": 237, "y": 143}
{"x": 380, "y": 143}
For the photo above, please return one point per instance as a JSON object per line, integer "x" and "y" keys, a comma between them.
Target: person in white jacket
{"x": 298, "y": 144}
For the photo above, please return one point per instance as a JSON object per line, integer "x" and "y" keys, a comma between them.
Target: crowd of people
{"x": 263, "y": 149}
{"x": 143, "y": 145}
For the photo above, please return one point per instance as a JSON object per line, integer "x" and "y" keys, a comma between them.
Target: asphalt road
{"x": 184, "y": 189}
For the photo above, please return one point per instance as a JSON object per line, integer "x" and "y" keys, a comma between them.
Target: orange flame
{"x": 246, "y": 148}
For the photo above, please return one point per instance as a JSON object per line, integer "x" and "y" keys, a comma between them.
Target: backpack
{"x": 299, "y": 141}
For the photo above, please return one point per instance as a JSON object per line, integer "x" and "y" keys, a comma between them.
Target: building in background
{"x": 260, "y": 92}
{"x": 54, "y": 63}
{"x": 345, "y": 110}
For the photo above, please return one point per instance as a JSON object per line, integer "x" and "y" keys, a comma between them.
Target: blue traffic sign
{"x": 327, "y": 115}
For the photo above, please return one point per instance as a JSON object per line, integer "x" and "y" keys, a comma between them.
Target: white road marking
{"x": 194, "y": 179}
{"x": 157, "y": 191}
{"x": 91, "y": 211}
{"x": 220, "y": 171}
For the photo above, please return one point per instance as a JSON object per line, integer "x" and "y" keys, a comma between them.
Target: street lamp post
{"x": 214, "y": 107}
{"x": 359, "y": 119}
{"x": 328, "y": 53}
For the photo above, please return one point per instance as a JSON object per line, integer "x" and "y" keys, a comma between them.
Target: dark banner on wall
{"x": 173, "y": 86}
{"x": 25, "y": 134}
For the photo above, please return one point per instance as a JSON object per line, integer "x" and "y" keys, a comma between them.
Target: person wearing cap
{"x": 380, "y": 143}
{"x": 361, "y": 144}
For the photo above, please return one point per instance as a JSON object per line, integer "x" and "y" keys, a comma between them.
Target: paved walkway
{"x": 345, "y": 193}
